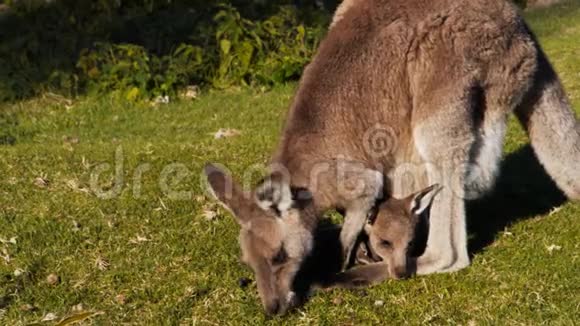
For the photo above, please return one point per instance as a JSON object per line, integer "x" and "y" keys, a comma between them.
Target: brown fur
{"x": 387, "y": 252}
{"x": 442, "y": 77}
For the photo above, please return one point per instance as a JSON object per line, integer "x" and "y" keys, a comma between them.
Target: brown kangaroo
{"x": 436, "y": 80}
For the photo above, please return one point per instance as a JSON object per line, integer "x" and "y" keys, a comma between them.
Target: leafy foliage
{"x": 266, "y": 52}
{"x": 145, "y": 48}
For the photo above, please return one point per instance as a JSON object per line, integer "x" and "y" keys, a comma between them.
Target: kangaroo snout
{"x": 400, "y": 273}
{"x": 280, "y": 306}
{"x": 273, "y": 307}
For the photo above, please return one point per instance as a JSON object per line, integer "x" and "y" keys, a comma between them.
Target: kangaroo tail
{"x": 553, "y": 129}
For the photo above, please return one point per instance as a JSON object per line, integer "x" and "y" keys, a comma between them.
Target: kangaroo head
{"x": 273, "y": 238}
{"x": 392, "y": 229}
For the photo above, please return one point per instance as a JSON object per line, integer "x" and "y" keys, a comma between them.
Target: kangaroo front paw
{"x": 346, "y": 262}
{"x": 349, "y": 255}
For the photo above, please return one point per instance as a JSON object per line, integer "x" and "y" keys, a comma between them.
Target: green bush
{"x": 146, "y": 48}
{"x": 131, "y": 70}
{"x": 266, "y": 52}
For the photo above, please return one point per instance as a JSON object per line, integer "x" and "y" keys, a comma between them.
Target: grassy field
{"x": 153, "y": 254}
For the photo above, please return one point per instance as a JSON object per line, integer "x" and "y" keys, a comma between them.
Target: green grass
{"x": 187, "y": 269}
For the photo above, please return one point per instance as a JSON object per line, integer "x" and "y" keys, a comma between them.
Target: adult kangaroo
{"x": 436, "y": 79}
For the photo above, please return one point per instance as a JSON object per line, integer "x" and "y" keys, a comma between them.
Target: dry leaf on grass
{"x": 76, "y": 226}
{"x": 74, "y": 185}
{"x": 11, "y": 240}
{"x": 49, "y": 317}
{"x": 70, "y": 140}
{"x": 77, "y": 308}
{"x": 190, "y": 92}
{"x": 161, "y": 207}
{"x": 41, "y": 182}
{"x": 120, "y": 299}
{"x": 52, "y": 279}
{"x": 162, "y": 99}
{"x": 5, "y": 256}
{"x": 553, "y": 247}
{"x": 226, "y": 132}
{"x": 138, "y": 239}
{"x": 85, "y": 163}
{"x": 209, "y": 212}
{"x": 555, "y": 210}
{"x": 507, "y": 233}
{"x": 101, "y": 263}
{"x": 162, "y": 204}
{"x": 27, "y": 307}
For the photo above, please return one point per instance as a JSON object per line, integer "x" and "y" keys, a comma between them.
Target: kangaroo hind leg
{"x": 445, "y": 139}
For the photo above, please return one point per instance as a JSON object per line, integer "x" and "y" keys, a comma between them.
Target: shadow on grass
{"x": 523, "y": 190}
{"x": 40, "y": 45}
{"x": 320, "y": 268}
{"x": 324, "y": 262}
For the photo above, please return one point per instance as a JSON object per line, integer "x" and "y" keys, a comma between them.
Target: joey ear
{"x": 227, "y": 191}
{"x": 421, "y": 200}
{"x": 274, "y": 192}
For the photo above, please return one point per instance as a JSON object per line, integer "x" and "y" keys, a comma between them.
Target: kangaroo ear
{"x": 274, "y": 193}
{"x": 228, "y": 192}
{"x": 423, "y": 199}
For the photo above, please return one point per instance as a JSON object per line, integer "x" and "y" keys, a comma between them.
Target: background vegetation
{"x": 146, "y": 48}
